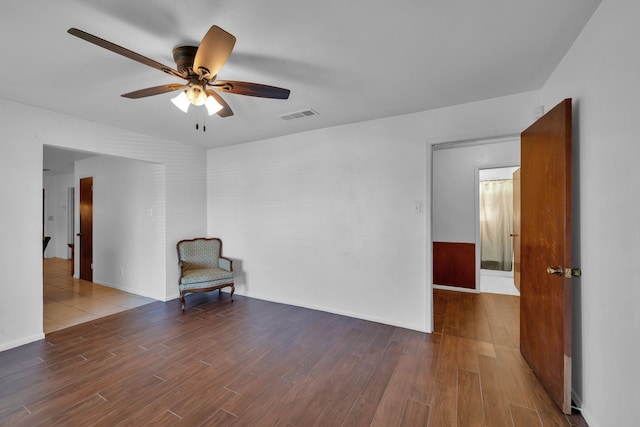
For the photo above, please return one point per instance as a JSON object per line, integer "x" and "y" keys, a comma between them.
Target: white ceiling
{"x": 348, "y": 60}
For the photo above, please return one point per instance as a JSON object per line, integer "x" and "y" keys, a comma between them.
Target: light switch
{"x": 417, "y": 207}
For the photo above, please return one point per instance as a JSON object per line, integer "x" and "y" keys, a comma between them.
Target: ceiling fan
{"x": 199, "y": 66}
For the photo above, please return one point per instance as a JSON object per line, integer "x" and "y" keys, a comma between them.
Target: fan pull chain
{"x": 204, "y": 122}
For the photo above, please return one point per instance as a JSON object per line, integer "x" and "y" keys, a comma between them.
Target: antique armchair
{"x": 202, "y": 267}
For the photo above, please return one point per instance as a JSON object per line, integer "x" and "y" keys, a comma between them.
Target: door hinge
{"x": 572, "y": 272}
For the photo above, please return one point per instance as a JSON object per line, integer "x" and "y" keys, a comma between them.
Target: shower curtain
{"x": 496, "y": 224}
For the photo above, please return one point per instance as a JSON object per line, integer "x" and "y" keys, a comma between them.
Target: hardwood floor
{"x": 69, "y": 301}
{"x": 257, "y": 363}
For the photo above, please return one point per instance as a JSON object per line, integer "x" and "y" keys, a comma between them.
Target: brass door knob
{"x": 555, "y": 270}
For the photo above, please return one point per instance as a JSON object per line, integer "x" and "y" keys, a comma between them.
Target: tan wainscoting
{"x": 454, "y": 264}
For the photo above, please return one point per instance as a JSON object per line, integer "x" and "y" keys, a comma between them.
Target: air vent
{"x": 299, "y": 114}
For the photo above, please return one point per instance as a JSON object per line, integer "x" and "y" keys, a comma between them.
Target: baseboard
{"x": 576, "y": 399}
{"x": 455, "y": 288}
{"x": 22, "y": 341}
{"x": 127, "y": 290}
{"x": 334, "y": 311}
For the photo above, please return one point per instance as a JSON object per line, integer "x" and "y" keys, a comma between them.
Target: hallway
{"x": 69, "y": 301}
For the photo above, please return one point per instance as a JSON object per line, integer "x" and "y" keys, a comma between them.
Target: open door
{"x": 86, "y": 229}
{"x": 546, "y": 271}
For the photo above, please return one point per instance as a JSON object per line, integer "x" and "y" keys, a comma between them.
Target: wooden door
{"x": 545, "y": 286}
{"x": 516, "y": 228}
{"x": 86, "y": 229}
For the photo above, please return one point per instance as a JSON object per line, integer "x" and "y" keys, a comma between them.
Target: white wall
{"x": 128, "y": 223}
{"x": 601, "y": 73}
{"x": 455, "y": 185}
{"x": 56, "y": 209}
{"x": 324, "y": 219}
{"x": 23, "y": 133}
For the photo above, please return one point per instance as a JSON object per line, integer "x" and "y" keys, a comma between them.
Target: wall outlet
{"x": 121, "y": 271}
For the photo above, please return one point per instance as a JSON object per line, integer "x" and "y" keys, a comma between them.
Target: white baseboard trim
{"x": 22, "y": 341}
{"x": 455, "y": 288}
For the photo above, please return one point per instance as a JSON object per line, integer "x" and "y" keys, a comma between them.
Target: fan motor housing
{"x": 183, "y": 57}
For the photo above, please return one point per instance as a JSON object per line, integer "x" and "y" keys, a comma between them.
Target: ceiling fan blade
{"x": 251, "y": 89}
{"x": 226, "y": 110}
{"x": 213, "y": 52}
{"x": 123, "y": 51}
{"x": 156, "y": 90}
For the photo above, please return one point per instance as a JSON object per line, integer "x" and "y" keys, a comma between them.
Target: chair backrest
{"x": 199, "y": 253}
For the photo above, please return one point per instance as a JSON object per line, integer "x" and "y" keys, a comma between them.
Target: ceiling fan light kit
{"x": 199, "y": 66}
{"x": 212, "y": 105}
{"x": 183, "y": 101}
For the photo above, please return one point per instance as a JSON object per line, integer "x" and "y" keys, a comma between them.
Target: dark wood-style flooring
{"x": 257, "y": 363}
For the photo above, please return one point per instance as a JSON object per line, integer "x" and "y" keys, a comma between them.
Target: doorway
{"x": 455, "y": 205}
{"x": 495, "y": 229}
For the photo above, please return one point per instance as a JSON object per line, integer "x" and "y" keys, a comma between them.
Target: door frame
{"x": 478, "y": 168}
{"x": 441, "y": 143}
{"x": 71, "y": 220}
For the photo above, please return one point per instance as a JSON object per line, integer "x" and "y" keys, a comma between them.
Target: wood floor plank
{"x": 206, "y": 388}
{"x": 398, "y": 390}
{"x": 514, "y": 327}
{"x": 485, "y": 349}
{"x": 494, "y": 398}
{"x": 81, "y": 387}
{"x": 447, "y": 370}
{"x": 338, "y": 410}
{"x": 467, "y": 355}
{"x": 259, "y": 363}
{"x": 311, "y": 400}
{"x": 480, "y": 320}
{"x": 163, "y": 419}
{"x": 219, "y": 418}
{"x": 524, "y": 417}
{"x": 93, "y": 404}
{"x": 120, "y": 405}
{"x": 380, "y": 377}
{"x": 466, "y": 325}
{"x": 361, "y": 413}
{"x": 425, "y": 373}
{"x": 452, "y": 311}
{"x": 470, "y": 412}
{"x": 549, "y": 413}
{"x": 444, "y": 410}
{"x": 416, "y": 414}
{"x": 336, "y": 362}
{"x": 515, "y": 377}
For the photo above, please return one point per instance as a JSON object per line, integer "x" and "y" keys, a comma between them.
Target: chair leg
{"x": 233, "y": 289}
{"x": 182, "y": 301}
